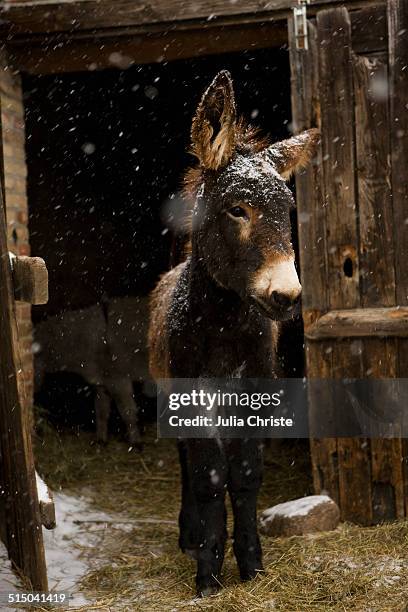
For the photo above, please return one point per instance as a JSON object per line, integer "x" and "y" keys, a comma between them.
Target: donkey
{"x": 217, "y": 314}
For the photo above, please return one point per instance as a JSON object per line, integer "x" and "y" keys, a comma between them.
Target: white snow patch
{"x": 74, "y": 548}
{"x": 12, "y": 257}
{"x": 42, "y": 490}
{"x": 297, "y": 507}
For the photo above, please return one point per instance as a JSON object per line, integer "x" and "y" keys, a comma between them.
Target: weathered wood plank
{"x": 74, "y": 15}
{"x": 30, "y": 280}
{"x": 388, "y": 495}
{"x": 312, "y": 252}
{"x": 359, "y": 322}
{"x": 90, "y": 14}
{"x": 398, "y": 61}
{"x": 354, "y": 466}
{"x": 110, "y": 47}
{"x": 340, "y": 196}
{"x": 121, "y": 52}
{"x": 337, "y": 127}
{"x": 397, "y": 18}
{"x": 324, "y": 451}
{"x": 377, "y": 271}
{"x": 369, "y": 29}
{"x": 376, "y": 248}
{"x": 337, "y": 110}
{"x": 22, "y": 531}
{"x": 310, "y": 206}
{"x": 18, "y": 486}
{"x": 387, "y": 476}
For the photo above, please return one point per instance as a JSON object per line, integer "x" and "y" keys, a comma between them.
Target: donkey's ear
{"x": 294, "y": 153}
{"x": 213, "y": 129}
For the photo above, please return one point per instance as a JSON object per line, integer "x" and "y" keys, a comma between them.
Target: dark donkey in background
{"x": 217, "y": 314}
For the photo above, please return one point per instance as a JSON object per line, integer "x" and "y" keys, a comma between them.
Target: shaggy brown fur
{"x": 248, "y": 140}
{"x": 160, "y": 301}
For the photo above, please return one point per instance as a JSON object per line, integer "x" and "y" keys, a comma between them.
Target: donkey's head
{"x": 241, "y": 223}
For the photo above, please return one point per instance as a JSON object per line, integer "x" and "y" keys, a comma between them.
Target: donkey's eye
{"x": 238, "y": 212}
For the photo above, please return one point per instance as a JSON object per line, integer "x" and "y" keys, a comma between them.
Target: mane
{"x": 249, "y": 140}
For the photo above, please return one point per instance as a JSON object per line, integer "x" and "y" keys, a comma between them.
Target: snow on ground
{"x": 297, "y": 507}
{"x": 72, "y": 549}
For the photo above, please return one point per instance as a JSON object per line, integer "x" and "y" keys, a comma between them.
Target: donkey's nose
{"x": 285, "y": 300}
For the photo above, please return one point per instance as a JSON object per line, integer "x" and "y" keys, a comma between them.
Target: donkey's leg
{"x": 102, "y": 412}
{"x": 209, "y": 472}
{"x": 122, "y": 393}
{"x": 189, "y": 522}
{"x": 245, "y": 477}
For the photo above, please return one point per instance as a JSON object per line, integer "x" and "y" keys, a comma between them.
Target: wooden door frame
{"x": 80, "y": 35}
{"x": 368, "y": 478}
{"x": 22, "y": 531}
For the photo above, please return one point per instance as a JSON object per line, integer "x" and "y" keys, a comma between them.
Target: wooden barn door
{"x": 20, "y": 520}
{"x": 352, "y": 82}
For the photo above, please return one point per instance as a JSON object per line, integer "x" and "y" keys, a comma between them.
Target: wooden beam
{"x": 110, "y": 47}
{"x": 30, "y": 280}
{"x": 47, "y": 16}
{"x": 121, "y": 52}
{"x": 76, "y": 15}
{"x": 357, "y": 322}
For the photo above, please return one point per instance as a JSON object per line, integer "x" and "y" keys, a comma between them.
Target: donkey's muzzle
{"x": 284, "y": 301}
{"x": 279, "y": 306}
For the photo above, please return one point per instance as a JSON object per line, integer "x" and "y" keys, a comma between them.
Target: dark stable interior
{"x": 106, "y": 150}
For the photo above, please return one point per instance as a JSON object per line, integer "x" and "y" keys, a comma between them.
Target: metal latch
{"x": 300, "y": 21}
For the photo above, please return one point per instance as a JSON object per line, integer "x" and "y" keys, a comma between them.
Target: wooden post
{"x": 18, "y": 481}
{"x": 313, "y": 249}
{"x": 30, "y": 280}
{"x": 377, "y": 272}
{"x": 338, "y": 149}
{"x": 397, "y": 19}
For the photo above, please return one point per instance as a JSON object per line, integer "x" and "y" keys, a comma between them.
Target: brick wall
{"x": 15, "y": 175}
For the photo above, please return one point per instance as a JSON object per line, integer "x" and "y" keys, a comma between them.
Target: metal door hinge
{"x": 300, "y": 21}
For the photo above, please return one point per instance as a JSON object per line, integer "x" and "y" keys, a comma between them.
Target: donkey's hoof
{"x": 135, "y": 441}
{"x": 250, "y": 574}
{"x": 207, "y": 585}
{"x": 207, "y": 591}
